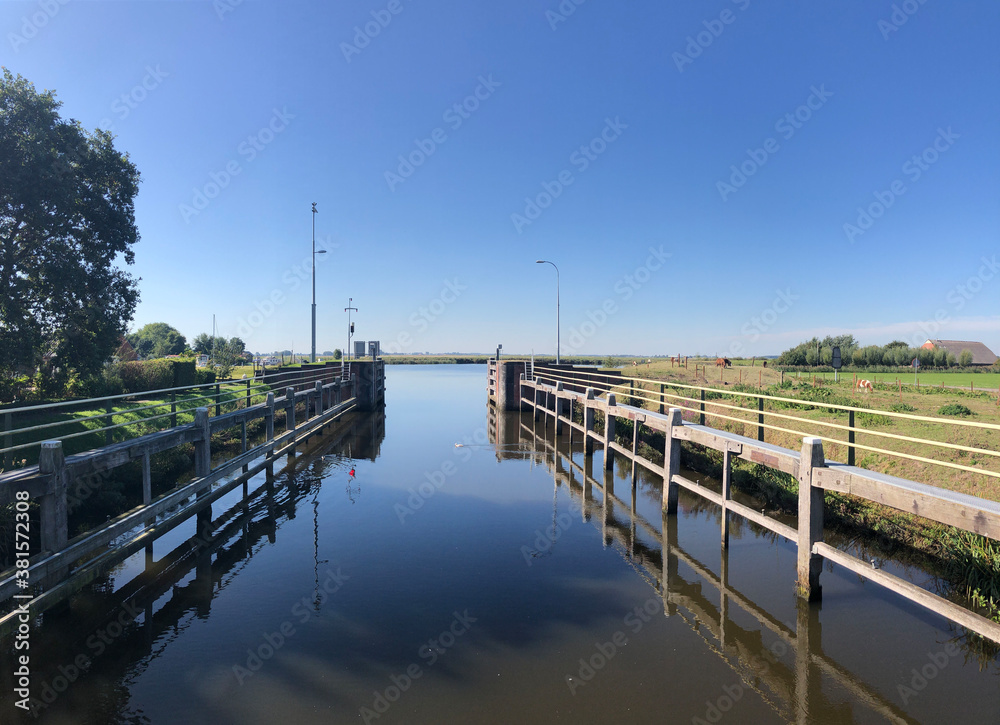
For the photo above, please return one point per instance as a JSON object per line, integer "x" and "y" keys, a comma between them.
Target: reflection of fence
{"x": 795, "y": 685}
{"x": 185, "y": 581}
{"x": 814, "y": 473}
{"x": 48, "y": 483}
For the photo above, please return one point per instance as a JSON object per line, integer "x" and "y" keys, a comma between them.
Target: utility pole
{"x": 350, "y": 327}
{"x": 312, "y": 354}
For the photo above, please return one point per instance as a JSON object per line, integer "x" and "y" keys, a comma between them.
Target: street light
{"x": 312, "y": 355}
{"x": 545, "y": 261}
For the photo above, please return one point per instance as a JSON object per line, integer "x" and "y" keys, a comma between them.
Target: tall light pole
{"x": 545, "y": 261}
{"x": 312, "y": 355}
{"x": 350, "y": 328}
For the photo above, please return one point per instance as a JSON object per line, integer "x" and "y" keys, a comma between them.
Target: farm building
{"x": 981, "y": 355}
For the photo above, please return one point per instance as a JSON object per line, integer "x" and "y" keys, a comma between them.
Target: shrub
{"x": 203, "y": 376}
{"x": 902, "y": 408}
{"x": 954, "y": 409}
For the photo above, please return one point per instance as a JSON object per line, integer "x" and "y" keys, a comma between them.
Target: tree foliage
{"x": 157, "y": 339}
{"x": 897, "y": 353}
{"x": 226, "y": 356}
{"x": 67, "y": 216}
{"x": 205, "y": 344}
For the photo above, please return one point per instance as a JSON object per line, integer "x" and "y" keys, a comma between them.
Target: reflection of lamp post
{"x": 312, "y": 355}
{"x": 545, "y": 261}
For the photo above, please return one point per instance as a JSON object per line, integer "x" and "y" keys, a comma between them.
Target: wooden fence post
{"x": 218, "y": 395}
{"x": 202, "y": 445}
{"x": 702, "y": 418}
{"x": 727, "y": 479}
{"x": 53, "y": 513}
{"x": 290, "y": 415}
{"x": 850, "y": 438}
{"x": 588, "y": 423}
{"x": 8, "y": 441}
{"x": 609, "y": 433}
{"x": 671, "y": 461}
{"x": 248, "y": 393}
{"x": 173, "y": 410}
{"x": 319, "y": 398}
{"x": 663, "y": 389}
{"x": 810, "y": 520}
{"x": 109, "y": 435}
{"x": 269, "y": 431}
{"x": 558, "y": 408}
{"x": 147, "y": 480}
{"x": 760, "y": 419}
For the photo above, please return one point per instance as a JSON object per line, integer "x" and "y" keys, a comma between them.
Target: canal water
{"x": 476, "y": 569}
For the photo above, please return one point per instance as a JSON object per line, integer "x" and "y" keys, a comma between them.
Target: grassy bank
{"x": 137, "y": 416}
{"x": 932, "y": 402}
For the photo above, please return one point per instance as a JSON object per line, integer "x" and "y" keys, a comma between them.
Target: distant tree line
{"x": 819, "y": 353}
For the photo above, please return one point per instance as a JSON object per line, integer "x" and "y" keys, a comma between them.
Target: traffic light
{"x": 352, "y": 328}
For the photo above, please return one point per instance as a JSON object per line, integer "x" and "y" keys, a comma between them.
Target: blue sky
{"x": 721, "y": 177}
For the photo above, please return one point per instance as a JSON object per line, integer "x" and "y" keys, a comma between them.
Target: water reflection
{"x": 112, "y": 632}
{"x": 785, "y": 666}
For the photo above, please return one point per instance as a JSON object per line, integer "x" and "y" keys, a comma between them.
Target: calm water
{"x": 492, "y": 582}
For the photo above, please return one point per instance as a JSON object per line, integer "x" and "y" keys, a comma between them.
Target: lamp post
{"x": 545, "y": 261}
{"x": 350, "y": 327}
{"x": 312, "y": 355}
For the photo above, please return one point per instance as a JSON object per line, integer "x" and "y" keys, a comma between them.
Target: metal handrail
{"x": 898, "y": 454}
{"x": 832, "y": 406}
{"x": 311, "y": 376}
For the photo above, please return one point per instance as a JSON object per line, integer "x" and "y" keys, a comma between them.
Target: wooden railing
{"x": 47, "y": 483}
{"x": 814, "y": 473}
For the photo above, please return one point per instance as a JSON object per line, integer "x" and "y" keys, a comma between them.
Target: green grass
{"x": 124, "y": 411}
{"x": 958, "y": 379}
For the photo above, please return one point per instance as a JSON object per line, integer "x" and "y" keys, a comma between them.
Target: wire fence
{"x": 219, "y": 397}
{"x": 706, "y": 402}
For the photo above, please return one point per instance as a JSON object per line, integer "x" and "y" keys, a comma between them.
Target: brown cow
{"x": 723, "y": 362}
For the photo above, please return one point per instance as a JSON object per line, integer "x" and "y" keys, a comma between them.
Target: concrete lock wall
{"x": 371, "y": 382}
{"x": 508, "y": 390}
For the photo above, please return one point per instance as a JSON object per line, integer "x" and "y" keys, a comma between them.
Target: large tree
{"x": 157, "y": 339}
{"x": 67, "y": 217}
